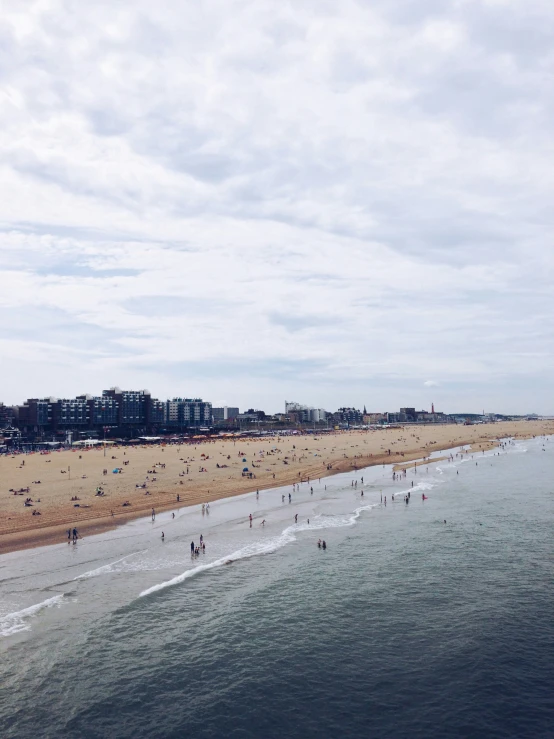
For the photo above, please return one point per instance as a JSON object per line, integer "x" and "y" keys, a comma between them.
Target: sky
{"x": 340, "y": 204}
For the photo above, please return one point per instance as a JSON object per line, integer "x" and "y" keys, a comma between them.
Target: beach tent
{"x": 245, "y": 469}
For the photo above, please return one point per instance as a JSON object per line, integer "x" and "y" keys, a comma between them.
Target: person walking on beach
{"x": 68, "y": 535}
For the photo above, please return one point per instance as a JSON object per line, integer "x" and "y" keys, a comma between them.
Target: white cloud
{"x": 430, "y": 383}
{"x": 248, "y": 202}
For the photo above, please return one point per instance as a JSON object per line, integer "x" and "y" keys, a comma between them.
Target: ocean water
{"x": 406, "y": 626}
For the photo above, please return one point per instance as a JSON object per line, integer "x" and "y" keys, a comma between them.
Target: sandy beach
{"x": 63, "y": 485}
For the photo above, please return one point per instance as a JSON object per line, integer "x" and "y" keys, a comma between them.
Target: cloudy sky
{"x": 339, "y": 203}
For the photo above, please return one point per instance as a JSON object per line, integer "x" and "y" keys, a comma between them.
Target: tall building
{"x": 103, "y": 411}
{"x": 226, "y": 413}
{"x": 303, "y": 413}
{"x": 185, "y": 412}
{"x": 349, "y": 415}
{"x": 66, "y": 414}
{"x": 7, "y": 414}
{"x": 35, "y": 413}
{"x": 133, "y": 405}
{"x": 195, "y": 412}
{"x": 157, "y": 414}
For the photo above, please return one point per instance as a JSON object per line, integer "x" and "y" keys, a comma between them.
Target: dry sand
{"x": 273, "y": 460}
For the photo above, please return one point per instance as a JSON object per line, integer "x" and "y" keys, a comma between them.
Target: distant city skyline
{"x": 341, "y": 203}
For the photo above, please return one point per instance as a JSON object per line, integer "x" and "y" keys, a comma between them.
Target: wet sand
{"x": 202, "y": 472}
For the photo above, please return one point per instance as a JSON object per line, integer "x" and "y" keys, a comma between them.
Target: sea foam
{"x": 17, "y": 621}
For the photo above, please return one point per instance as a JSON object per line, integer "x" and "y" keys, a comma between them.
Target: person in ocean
{"x": 324, "y": 544}
{"x": 192, "y": 547}
{"x": 296, "y": 518}
{"x": 319, "y": 543}
{"x": 163, "y": 536}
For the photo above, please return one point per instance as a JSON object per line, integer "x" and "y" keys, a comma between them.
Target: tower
{"x": 432, "y": 407}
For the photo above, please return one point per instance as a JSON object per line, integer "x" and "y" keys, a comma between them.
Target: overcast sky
{"x": 338, "y": 203}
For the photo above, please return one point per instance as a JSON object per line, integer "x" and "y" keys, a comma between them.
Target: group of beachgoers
{"x": 196, "y": 551}
{"x": 72, "y": 535}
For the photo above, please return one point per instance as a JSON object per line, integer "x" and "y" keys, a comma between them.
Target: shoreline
{"x": 32, "y": 534}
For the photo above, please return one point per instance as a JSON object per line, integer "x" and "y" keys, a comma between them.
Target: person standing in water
{"x": 153, "y": 515}
{"x": 296, "y": 518}
{"x": 163, "y": 536}
{"x": 192, "y": 547}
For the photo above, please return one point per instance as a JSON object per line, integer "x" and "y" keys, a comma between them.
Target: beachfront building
{"x": 225, "y": 413}
{"x": 188, "y": 412}
{"x": 350, "y": 416}
{"x": 102, "y": 411}
{"x": 298, "y": 413}
{"x": 372, "y": 419}
{"x": 133, "y": 406}
{"x": 35, "y": 414}
{"x": 157, "y": 412}
{"x": 7, "y": 415}
{"x": 69, "y": 414}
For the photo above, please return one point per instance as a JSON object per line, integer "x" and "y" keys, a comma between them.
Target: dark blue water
{"x": 405, "y": 627}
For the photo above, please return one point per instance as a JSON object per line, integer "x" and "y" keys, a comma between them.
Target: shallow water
{"x": 405, "y": 626}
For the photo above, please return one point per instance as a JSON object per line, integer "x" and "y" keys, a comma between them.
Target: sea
{"x": 428, "y": 619}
